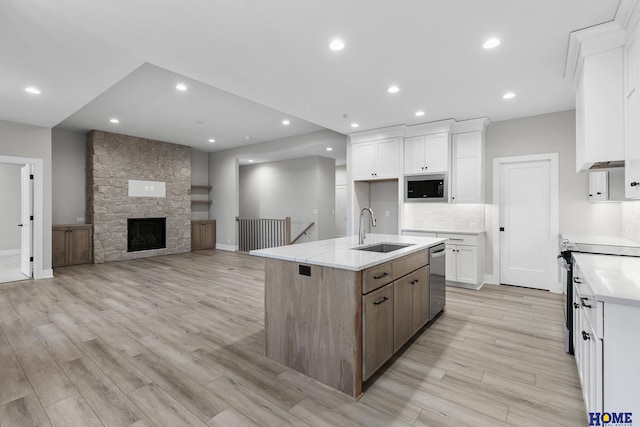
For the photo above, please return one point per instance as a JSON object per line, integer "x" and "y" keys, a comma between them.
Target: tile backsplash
{"x": 630, "y": 220}
{"x": 444, "y": 216}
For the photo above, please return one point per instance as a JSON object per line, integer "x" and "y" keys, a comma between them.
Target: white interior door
{"x": 26, "y": 213}
{"x": 525, "y": 223}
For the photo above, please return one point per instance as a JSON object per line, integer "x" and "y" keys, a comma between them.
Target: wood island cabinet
{"x": 340, "y": 326}
{"x": 72, "y": 244}
{"x": 203, "y": 234}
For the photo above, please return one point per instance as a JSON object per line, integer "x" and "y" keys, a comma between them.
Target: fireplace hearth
{"x": 145, "y": 234}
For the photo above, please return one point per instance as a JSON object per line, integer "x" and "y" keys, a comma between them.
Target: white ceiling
{"x": 95, "y": 60}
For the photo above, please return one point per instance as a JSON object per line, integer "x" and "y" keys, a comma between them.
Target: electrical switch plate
{"x": 386, "y": 213}
{"x": 79, "y": 219}
{"x": 474, "y": 225}
{"x": 315, "y": 211}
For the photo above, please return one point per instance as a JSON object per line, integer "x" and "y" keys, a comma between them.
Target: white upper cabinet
{"x": 599, "y": 186}
{"x": 632, "y": 115}
{"x": 467, "y": 167}
{"x": 426, "y": 154}
{"x": 375, "y": 160}
{"x": 595, "y": 64}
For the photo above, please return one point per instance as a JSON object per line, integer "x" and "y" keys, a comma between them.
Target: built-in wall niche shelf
{"x": 200, "y": 190}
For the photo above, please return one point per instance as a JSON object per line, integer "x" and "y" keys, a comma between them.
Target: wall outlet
{"x": 228, "y": 240}
{"x": 386, "y": 213}
{"x": 474, "y": 225}
{"x": 80, "y": 220}
{"x": 315, "y": 211}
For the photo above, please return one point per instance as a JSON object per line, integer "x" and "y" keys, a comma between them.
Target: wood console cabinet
{"x": 72, "y": 244}
{"x": 203, "y": 234}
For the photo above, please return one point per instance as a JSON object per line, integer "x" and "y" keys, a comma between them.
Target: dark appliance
{"x": 426, "y": 188}
{"x": 437, "y": 269}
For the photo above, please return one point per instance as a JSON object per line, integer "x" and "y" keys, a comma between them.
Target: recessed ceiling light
{"x": 419, "y": 113}
{"x": 336, "y": 44}
{"x": 212, "y": 140}
{"x": 114, "y": 120}
{"x": 355, "y": 125}
{"x": 250, "y": 161}
{"x": 329, "y": 149}
{"x": 181, "y": 86}
{"x": 286, "y": 122}
{"x": 393, "y": 89}
{"x": 509, "y": 95}
{"x": 491, "y": 43}
{"x": 247, "y": 138}
{"x": 33, "y": 90}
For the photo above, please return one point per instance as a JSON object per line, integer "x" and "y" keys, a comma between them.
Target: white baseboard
{"x": 491, "y": 279}
{"x": 44, "y": 274}
{"x": 223, "y": 247}
{"x": 8, "y": 252}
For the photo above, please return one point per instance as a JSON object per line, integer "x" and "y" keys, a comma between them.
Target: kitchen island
{"x": 336, "y": 310}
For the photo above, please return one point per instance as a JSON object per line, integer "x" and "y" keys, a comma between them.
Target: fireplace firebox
{"x": 146, "y": 233}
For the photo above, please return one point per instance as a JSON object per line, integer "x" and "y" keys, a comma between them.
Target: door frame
{"x": 555, "y": 285}
{"x": 38, "y": 212}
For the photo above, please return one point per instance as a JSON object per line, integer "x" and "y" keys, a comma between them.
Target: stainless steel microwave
{"x": 426, "y": 188}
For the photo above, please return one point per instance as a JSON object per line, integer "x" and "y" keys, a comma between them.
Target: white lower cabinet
{"x": 606, "y": 350}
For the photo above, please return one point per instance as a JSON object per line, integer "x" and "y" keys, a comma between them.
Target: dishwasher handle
{"x": 437, "y": 254}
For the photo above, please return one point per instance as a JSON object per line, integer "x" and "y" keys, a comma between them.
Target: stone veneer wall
{"x": 112, "y": 160}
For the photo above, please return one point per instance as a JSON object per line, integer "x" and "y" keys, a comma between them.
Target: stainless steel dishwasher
{"x": 437, "y": 268}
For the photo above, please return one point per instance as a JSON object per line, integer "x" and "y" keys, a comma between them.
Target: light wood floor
{"x": 178, "y": 340}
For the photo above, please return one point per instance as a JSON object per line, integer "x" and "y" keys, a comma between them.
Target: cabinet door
{"x": 386, "y": 159}
{"x": 414, "y": 155}
{"x": 59, "y": 246}
{"x": 420, "y": 298}
{"x": 577, "y": 312}
{"x": 208, "y": 234}
{"x": 402, "y": 310}
{"x": 451, "y": 261}
{"x": 437, "y": 152}
{"x": 363, "y": 160}
{"x": 598, "y": 186}
{"x": 467, "y": 264}
{"x": 80, "y": 245}
{"x": 632, "y": 114}
{"x": 467, "y": 166}
{"x": 377, "y": 329}
{"x": 196, "y": 239}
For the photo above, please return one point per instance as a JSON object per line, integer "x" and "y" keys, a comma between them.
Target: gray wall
{"x": 295, "y": 188}
{"x": 384, "y": 200}
{"x": 68, "y": 164}
{"x": 10, "y": 212}
{"x": 223, "y": 177}
{"x": 549, "y": 133}
{"x": 20, "y": 140}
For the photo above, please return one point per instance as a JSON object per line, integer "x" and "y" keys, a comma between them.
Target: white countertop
{"x": 594, "y": 239}
{"x": 441, "y": 230}
{"x": 339, "y": 253}
{"x": 612, "y": 278}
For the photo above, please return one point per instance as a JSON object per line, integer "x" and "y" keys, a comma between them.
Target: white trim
{"x": 491, "y": 279}
{"x": 223, "y": 247}
{"x": 38, "y": 212}
{"x": 9, "y": 252}
{"x": 554, "y": 285}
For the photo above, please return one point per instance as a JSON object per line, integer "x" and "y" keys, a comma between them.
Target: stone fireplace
{"x": 113, "y": 161}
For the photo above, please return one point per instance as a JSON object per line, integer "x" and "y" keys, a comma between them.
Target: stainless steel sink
{"x": 383, "y": 248}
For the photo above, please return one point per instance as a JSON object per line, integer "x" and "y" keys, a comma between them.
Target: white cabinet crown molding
{"x": 589, "y": 41}
{"x": 376, "y": 134}
{"x": 471, "y": 125}
{"x": 628, "y": 14}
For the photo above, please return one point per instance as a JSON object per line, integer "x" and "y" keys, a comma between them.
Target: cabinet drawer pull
{"x": 455, "y": 238}
{"x": 585, "y": 336}
{"x": 582, "y": 300}
{"x": 577, "y": 280}
{"x": 385, "y": 274}
{"x": 381, "y": 301}
{"x": 575, "y": 305}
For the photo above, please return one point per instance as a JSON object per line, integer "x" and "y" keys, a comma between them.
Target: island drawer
{"x": 374, "y": 277}
{"x": 405, "y": 265}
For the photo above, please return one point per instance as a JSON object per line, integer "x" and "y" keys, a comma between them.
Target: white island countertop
{"x": 339, "y": 252}
{"x": 612, "y": 278}
{"x": 595, "y": 239}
